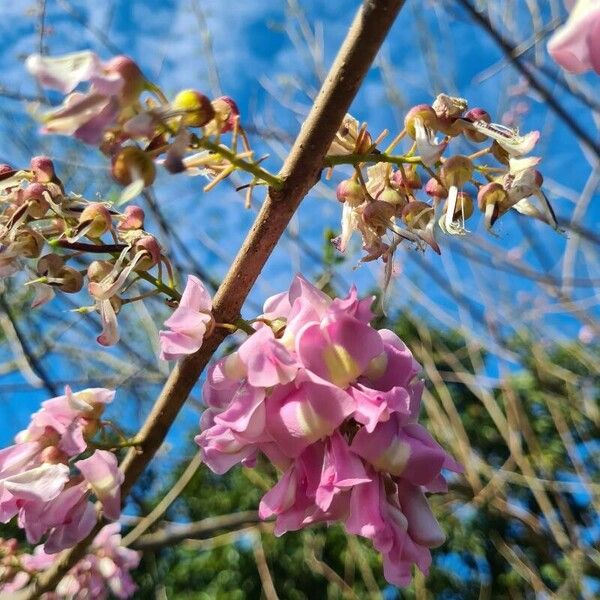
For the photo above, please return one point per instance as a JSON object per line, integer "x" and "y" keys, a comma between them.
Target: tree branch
{"x": 205, "y": 528}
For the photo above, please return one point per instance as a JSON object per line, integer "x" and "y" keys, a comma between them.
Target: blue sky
{"x": 267, "y": 70}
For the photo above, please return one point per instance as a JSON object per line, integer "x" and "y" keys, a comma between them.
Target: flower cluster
{"x": 102, "y": 572}
{"x": 383, "y": 206}
{"x": 45, "y": 481}
{"x": 333, "y": 403}
{"x": 44, "y": 229}
{"x": 135, "y": 131}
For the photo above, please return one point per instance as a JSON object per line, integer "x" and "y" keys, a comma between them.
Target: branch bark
{"x": 174, "y": 534}
{"x": 300, "y": 172}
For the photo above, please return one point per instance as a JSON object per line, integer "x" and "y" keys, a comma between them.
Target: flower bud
{"x": 477, "y": 114}
{"x": 33, "y": 194}
{"x": 196, "y": 106}
{"x": 435, "y": 189}
{"x": 30, "y": 243}
{"x": 134, "y": 80}
{"x": 99, "y": 217}
{"x": 491, "y": 193}
{"x": 423, "y": 112}
{"x": 50, "y": 264}
{"x": 42, "y": 168}
{"x": 149, "y": 245}
{"x": 226, "y": 113}
{"x": 377, "y": 215}
{"x": 133, "y": 163}
{"x": 350, "y": 191}
{"x": 457, "y": 171}
{"x": 411, "y": 181}
{"x": 133, "y": 218}
{"x": 98, "y": 270}
{"x": 463, "y": 208}
{"x": 417, "y": 214}
{"x": 72, "y": 280}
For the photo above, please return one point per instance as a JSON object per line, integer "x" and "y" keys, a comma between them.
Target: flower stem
{"x": 252, "y": 168}
{"x": 374, "y": 157}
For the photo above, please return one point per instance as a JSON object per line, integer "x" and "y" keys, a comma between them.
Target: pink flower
{"x": 188, "y": 324}
{"x": 114, "y": 85}
{"x": 300, "y": 416}
{"x": 267, "y": 362}
{"x": 100, "y": 574}
{"x": 576, "y": 45}
{"x": 333, "y": 403}
{"x": 402, "y": 450}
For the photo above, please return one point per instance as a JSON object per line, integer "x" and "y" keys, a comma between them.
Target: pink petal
{"x": 422, "y": 525}
{"x": 101, "y": 471}
{"x": 297, "y": 417}
{"x": 339, "y": 349}
{"x": 195, "y": 296}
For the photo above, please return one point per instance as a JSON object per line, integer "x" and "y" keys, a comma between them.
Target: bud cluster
{"x": 102, "y": 573}
{"x": 50, "y": 234}
{"x": 413, "y": 195}
{"x": 136, "y": 126}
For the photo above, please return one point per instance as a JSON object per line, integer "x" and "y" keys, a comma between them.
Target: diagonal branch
{"x": 300, "y": 172}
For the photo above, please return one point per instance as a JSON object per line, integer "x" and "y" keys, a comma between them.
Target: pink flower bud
{"x": 134, "y": 80}
{"x": 435, "y": 189}
{"x": 477, "y": 114}
{"x": 6, "y": 170}
{"x": 196, "y": 106}
{"x": 33, "y": 195}
{"x": 457, "y": 171}
{"x": 98, "y": 217}
{"x": 42, "y": 168}
{"x": 423, "y": 112}
{"x": 150, "y": 246}
{"x": 133, "y": 163}
{"x": 350, "y": 191}
{"x": 411, "y": 181}
{"x": 133, "y": 218}
{"x": 226, "y": 113}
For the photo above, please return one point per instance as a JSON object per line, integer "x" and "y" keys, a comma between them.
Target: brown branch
{"x": 203, "y": 529}
{"x": 299, "y": 173}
